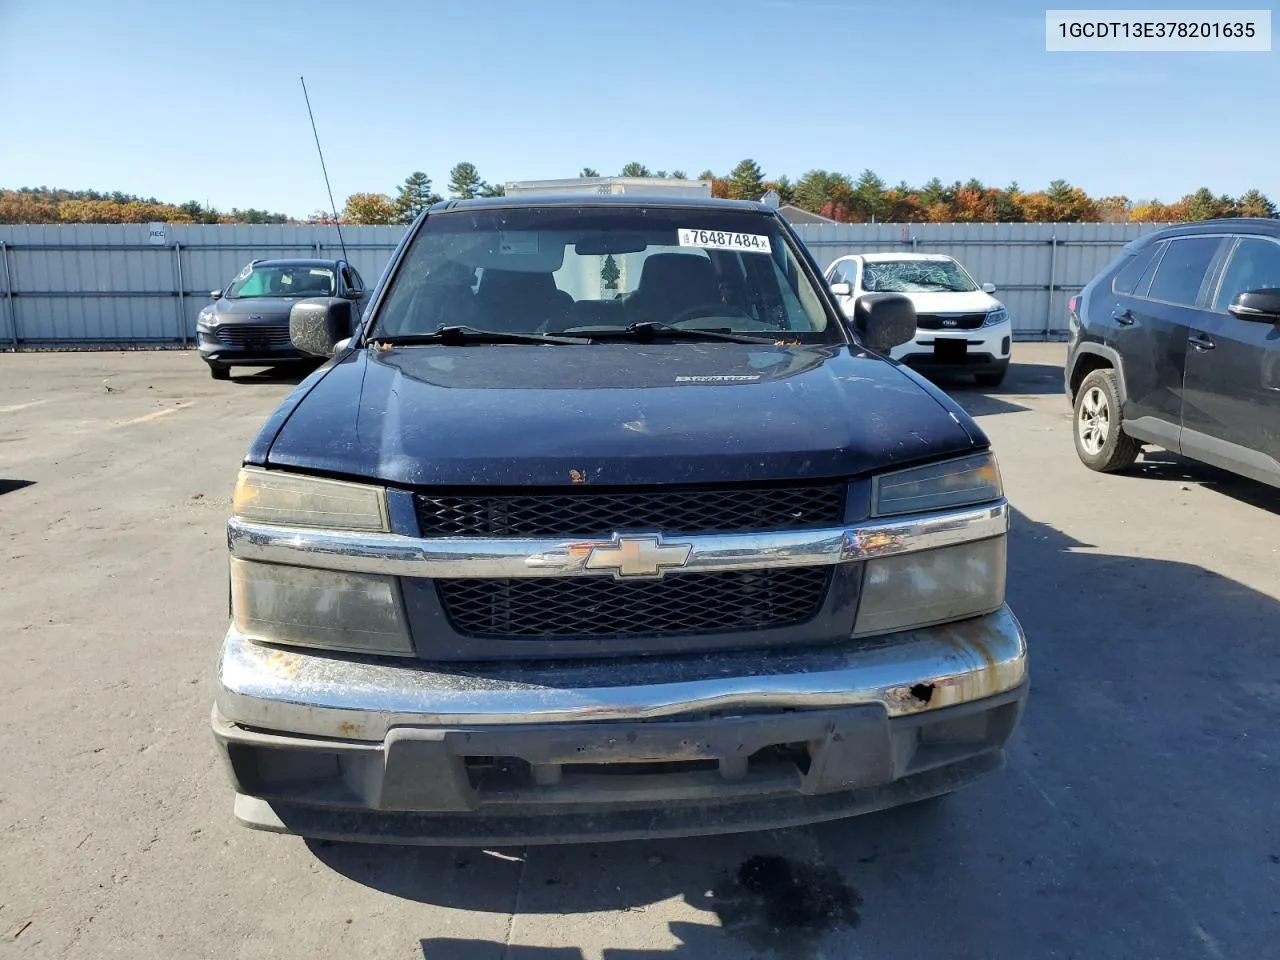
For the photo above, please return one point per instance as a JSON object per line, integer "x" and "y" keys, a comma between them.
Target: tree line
{"x": 52, "y": 205}
{"x": 838, "y": 196}
{"x": 867, "y": 198}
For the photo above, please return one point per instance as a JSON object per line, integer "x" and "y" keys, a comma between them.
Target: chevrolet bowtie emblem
{"x": 638, "y": 556}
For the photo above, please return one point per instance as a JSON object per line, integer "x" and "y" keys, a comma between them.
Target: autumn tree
{"x": 414, "y": 196}
{"x": 1114, "y": 209}
{"x": 370, "y": 208}
{"x": 746, "y": 181}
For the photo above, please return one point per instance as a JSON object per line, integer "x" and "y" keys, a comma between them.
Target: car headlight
{"x": 205, "y": 322}
{"x": 995, "y": 315}
{"x": 292, "y": 499}
{"x": 915, "y": 590}
{"x": 329, "y": 609}
{"x": 952, "y": 483}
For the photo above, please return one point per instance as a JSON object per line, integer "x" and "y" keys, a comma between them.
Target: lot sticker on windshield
{"x": 724, "y": 240}
{"x": 518, "y": 243}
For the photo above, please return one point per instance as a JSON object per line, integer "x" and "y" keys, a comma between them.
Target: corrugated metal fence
{"x": 106, "y": 285}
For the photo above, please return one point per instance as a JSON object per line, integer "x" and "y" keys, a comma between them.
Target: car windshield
{"x": 915, "y": 276}
{"x": 574, "y": 270}
{"x": 282, "y": 281}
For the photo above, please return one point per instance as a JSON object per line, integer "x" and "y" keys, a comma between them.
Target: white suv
{"x": 960, "y": 327}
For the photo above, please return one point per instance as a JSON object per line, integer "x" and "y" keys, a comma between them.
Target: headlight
{"x": 330, "y": 609}
{"x": 205, "y": 322}
{"x": 995, "y": 315}
{"x": 271, "y": 496}
{"x": 951, "y": 483}
{"x": 917, "y": 590}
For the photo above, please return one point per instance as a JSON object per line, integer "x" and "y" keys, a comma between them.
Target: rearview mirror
{"x": 1260, "y": 306}
{"x": 610, "y": 241}
{"x": 842, "y": 289}
{"x": 988, "y": 288}
{"x": 215, "y": 294}
{"x": 884, "y": 320}
{"x": 317, "y": 326}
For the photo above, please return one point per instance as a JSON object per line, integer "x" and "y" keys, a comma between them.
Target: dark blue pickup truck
{"x": 606, "y": 523}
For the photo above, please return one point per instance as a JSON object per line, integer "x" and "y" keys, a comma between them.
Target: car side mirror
{"x": 884, "y": 320}
{"x": 988, "y": 288}
{"x": 215, "y": 294}
{"x": 355, "y": 294}
{"x": 318, "y": 325}
{"x": 1260, "y": 306}
{"x": 842, "y": 289}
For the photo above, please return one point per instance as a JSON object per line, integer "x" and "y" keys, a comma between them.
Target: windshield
{"x": 567, "y": 270}
{"x": 282, "y": 281}
{"x": 916, "y": 276}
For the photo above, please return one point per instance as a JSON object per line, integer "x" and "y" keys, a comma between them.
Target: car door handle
{"x": 1124, "y": 317}
{"x": 1201, "y": 341}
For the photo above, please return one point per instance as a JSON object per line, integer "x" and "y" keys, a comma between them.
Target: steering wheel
{"x": 709, "y": 310}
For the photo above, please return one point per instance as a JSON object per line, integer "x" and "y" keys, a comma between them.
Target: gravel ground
{"x": 1138, "y": 814}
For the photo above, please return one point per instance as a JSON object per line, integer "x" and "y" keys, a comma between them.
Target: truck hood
{"x": 611, "y": 414}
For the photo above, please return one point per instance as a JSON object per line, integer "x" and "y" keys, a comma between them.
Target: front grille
{"x": 244, "y": 334}
{"x": 955, "y": 321}
{"x": 711, "y": 510}
{"x": 603, "y": 608}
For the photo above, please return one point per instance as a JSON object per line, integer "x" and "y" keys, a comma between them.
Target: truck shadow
{"x": 1155, "y": 685}
{"x": 1156, "y": 464}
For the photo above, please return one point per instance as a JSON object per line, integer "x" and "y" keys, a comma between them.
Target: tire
{"x": 992, "y": 378}
{"x": 1098, "y": 427}
{"x": 219, "y": 371}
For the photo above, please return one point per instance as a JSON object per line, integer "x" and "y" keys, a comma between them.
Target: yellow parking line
{"x": 155, "y": 415}
{"x": 21, "y": 406}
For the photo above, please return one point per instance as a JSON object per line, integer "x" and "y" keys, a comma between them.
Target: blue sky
{"x": 200, "y": 100}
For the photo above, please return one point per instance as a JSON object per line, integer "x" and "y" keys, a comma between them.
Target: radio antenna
{"x": 336, "y": 222}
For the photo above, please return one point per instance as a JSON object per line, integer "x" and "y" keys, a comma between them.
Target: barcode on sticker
{"x": 724, "y": 240}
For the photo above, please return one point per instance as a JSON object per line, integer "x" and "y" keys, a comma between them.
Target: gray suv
{"x": 248, "y": 322}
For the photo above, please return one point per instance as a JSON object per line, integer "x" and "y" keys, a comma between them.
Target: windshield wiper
{"x": 452, "y": 336}
{"x": 646, "y": 332}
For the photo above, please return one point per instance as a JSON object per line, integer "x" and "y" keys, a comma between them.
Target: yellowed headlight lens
{"x": 292, "y": 499}
{"x": 933, "y": 586}
{"x": 329, "y": 609}
{"x": 937, "y": 486}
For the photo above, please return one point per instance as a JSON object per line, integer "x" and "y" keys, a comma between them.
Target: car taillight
{"x": 1073, "y": 303}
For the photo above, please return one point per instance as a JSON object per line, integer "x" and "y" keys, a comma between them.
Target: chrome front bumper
{"x": 355, "y": 749}
{"x": 300, "y": 693}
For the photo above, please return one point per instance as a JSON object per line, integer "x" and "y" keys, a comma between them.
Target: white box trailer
{"x": 634, "y": 186}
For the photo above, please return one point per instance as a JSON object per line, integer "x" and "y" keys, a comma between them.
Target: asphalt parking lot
{"x": 1138, "y": 814}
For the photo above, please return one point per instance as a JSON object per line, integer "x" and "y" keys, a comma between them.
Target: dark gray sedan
{"x": 248, "y": 322}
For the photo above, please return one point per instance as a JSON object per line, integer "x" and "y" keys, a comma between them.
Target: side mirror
{"x": 988, "y": 288}
{"x": 355, "y": 294}
{"x": 1260, "y": 306}
{"x": 842, "y": 289}
{"x": 884, "y": 320}
{"x": 215, "y": 294}
{"x": 318, "y": 325}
